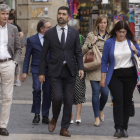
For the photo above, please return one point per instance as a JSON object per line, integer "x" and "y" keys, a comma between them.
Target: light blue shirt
{"x": 41, "y": 38}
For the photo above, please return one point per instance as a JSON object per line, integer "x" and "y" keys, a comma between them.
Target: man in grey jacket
{"x": 10, "y": 52}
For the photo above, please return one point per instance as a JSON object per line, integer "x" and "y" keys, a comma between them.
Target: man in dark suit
{"x": 34, "y": 47}
{"x": 63, "y": 44}
{"x": 10, "y": 52}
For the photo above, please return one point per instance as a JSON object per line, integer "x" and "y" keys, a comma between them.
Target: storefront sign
{"x": 105, "y": 1}
{"x": 39, "y": 0}
{"x": 39, "y": 11}
{"x": 134, "y": 1}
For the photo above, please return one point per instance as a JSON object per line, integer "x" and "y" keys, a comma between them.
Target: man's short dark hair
{"x": 11, "y": 17}
{"x": 65, "y": 8}
{"x": 41, "y": 24}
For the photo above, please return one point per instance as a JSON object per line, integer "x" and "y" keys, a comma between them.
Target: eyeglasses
{"x": 123, "y": 32}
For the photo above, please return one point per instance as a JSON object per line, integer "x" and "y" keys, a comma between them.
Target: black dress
{"x": 80, "y": 86}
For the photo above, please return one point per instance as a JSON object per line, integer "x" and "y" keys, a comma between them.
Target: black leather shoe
{"x": 4, "y": 132}
{"x": 45, "y": 120}
{"x": 124, "y": 133}
{"x": 118, "y": 133}
{"x": 36, "y": 119}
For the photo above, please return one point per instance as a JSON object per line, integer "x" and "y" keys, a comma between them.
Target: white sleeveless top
{"x": 122, "y": 55}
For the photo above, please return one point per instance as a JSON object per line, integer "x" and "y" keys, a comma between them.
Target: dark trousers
{"x": 63, "y": 88}
{"x": 46, "y": 96}
{"x": 122, "y": 85}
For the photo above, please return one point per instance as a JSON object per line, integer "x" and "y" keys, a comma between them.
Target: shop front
{"x": 86, "y": 12}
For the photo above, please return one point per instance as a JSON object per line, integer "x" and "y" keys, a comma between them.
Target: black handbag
{"x": 132, "y": 109}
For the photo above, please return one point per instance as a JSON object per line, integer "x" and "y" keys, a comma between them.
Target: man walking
{"x": 63, "y": 44}
{"x": 33, "y": 49}
{"x": 10, "y": 52}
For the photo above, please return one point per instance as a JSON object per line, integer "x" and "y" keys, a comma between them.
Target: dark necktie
{"x": 63, "y": 38}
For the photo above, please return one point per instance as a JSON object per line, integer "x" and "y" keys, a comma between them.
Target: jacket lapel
{"x": 68, "y": 35}
{"x": 56, "y": 35}
{"x": 9, "y": 34}
{"x": 38, "y": 40}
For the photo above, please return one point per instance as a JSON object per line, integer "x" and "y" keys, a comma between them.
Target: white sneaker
{"x": 18, "y": 83}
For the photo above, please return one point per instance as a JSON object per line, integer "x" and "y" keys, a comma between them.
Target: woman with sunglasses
{"x": 118, "y": 63}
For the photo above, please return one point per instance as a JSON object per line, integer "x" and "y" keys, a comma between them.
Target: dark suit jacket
{"x": 33, "y": 49}
{"x": 71, "y": 51}
{"x": 14, "y": 46}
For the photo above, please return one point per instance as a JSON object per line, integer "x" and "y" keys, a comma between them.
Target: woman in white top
{"x": 118, "y": 63}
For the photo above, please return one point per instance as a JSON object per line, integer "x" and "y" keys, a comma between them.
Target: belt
{"x": 4, "y": 60}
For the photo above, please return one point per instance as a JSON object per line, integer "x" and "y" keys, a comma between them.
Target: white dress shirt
{"x": 123, "y": 56}
{"x": 4, "y": 54}
{"x": 59, "y": 33}
{"x": 41, "y": 38}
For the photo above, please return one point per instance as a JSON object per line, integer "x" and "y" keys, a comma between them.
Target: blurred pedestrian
{"x": 98, "y": 36}
{"x": 62, "y": 41}
{"x": 118, "y": 63}
{"x": 80, "y": 86}
{"x": 17, "y": 70}
{"x": 33, "y": 50}
{"x": 10, "y": 52}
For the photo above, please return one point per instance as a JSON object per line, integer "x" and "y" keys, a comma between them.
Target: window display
{"x": 39, "y": 0}
{"x": 88, "y": 11}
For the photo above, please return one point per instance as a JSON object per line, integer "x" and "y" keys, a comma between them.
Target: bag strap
{"x": 81, "y": 41}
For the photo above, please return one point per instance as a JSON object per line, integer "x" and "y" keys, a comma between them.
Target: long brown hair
{"x": 99, "y": 20}
{"x": 122, "y": 25}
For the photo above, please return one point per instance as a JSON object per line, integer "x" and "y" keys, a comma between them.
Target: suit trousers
{"x": 122, "y": 85}
{"x": 63, "y": 88}
{"x": 46, "y": 97}
{"x": 7, "y": 70}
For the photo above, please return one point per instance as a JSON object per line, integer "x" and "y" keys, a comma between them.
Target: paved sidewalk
{"x": 21, "y": 128}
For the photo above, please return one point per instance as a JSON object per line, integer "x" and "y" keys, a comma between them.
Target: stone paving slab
{"x": 21, "y": 122}
{"x": 24, "y": 92}
{"x": 58, "y": 137}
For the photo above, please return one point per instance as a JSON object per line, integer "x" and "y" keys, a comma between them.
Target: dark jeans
{"x": 122, "y": 85}
{"x": 63, "y": 88}
{"x": 98, "y": 103}
{"x": 46, "y": 100}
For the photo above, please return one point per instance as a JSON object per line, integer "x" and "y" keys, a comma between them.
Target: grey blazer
{"x": 14, "y": 46}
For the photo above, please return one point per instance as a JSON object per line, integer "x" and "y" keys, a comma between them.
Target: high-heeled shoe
{"x": 78, "y": 121}
{"x": 71, "y": 122}
{"x": 97, "y": 124}
{"x": 102, "y": 119}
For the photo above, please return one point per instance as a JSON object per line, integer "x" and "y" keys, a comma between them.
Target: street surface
{"x": 20, "y": 125}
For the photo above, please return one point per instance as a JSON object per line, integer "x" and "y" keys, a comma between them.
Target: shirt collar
{"x": 40, "y": 35}
{"x": 103, "y": 35}
{"x": 4, "y": 26}
{"x": 59, "y": 27}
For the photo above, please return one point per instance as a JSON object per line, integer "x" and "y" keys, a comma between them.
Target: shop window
{"x": 39, "y": 0}
{"x": 89, "y": 10}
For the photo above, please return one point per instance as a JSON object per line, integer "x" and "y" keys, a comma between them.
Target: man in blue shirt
{"x": 34, "y": 48}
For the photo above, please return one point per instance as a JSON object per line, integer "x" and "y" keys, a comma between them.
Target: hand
{"x": 81, "y": 74}
{"x": 23, "y": 77}
{"x": 94, "y": 39}
{"x": 41, "y": 78}
{"x": 102, "y": 82}
{"x": 134, "y": 49}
